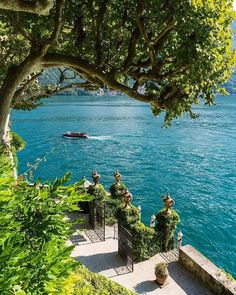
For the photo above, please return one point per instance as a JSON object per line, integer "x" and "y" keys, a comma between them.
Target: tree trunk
{"x": 4, "y": 117}
{"x": 14, "y": 76}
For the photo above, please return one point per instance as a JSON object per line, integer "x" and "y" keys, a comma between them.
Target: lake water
{"x": 194, "y": 160}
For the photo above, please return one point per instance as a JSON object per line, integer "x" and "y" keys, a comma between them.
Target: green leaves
{"x": 17, "y": 142}
{"x": 34, "y": 257}
{"x": 97, "y": 192}
{"x": 166, "y": 225}
{"x": 171, "y": 54}
{"x": 84, "y": 282}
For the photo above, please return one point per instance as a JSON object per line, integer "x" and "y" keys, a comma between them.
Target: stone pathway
{"x": 102, "y": 257}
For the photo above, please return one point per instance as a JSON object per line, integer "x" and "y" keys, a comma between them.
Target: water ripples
{"x": 194, "y": 160}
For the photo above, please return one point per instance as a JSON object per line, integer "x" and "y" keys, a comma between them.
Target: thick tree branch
{"x": 32, "y": 100}
{"x": 163, "y": 33}
{"x": 91, "y": 70}
{"x": 155, "y": 76}
{"x": 140, "y": 24}
{"x": 163, "y": 36}
{"x": 41, "y": 7}
{"x": 22, "y": 89}
{"x": 117, "y": 51}
{"x": 99, "y": 21}
{"x": 58, "y": 22}
{"x": 131, "y": 49}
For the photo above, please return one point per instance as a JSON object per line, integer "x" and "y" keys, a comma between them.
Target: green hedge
{"x": 116, "y": 190}
{"x": 98, "y": 192}
{"x": 165, "y": 228}
{"x": 148, "y": 241}
{"x": 84, "y": 282}
{"x": 112, "y": 206}
{"x": 145, "y": 243}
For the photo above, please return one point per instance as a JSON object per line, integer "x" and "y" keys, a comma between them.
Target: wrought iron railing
{"x": 125, "y": 246}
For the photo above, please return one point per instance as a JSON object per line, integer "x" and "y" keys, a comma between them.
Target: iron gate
{"x": 125, "y": 246}
{"x": 97, "y": 218}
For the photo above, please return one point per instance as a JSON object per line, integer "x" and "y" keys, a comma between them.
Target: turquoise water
{"x": 193, "y": 160}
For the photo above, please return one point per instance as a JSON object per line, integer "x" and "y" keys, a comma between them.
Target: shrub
{"x": 98, "y": 192}
{"x": 17, "y": 142}
{"x": 145, "y": 242}
{"x": 166, "y": 225}
{"x": 161, "y": 269}
{"x": 116, "y": 190}
{"x": 112, "y": 207}
{"x": 34, "y": 257}
{"x": 84, "y": 282}
{"x": 128, "y": 217}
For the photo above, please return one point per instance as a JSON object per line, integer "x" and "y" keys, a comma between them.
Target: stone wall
{"x": 207, "y": 272}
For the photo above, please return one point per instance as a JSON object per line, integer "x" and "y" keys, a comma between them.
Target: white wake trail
{"x": 100, "y": 137}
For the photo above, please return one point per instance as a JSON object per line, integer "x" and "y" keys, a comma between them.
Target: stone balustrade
{"x": 206, "y": 271}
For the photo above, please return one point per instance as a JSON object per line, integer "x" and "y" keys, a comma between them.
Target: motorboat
{"x": 75, "y": 134}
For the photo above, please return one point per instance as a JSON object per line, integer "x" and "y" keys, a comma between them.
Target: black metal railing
{"x": 97, "y": 218}
{"x": 125, "y": 246}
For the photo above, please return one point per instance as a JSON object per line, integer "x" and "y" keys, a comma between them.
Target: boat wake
{"x": 100, "y": 137}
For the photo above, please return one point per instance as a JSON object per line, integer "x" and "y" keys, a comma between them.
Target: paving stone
{"x": 102, "y": 257}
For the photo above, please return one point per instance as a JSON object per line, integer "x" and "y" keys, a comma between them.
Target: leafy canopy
{"x": 170, "y": 54}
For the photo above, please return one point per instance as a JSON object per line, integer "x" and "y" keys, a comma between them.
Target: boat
{"x": 75, "y": 134}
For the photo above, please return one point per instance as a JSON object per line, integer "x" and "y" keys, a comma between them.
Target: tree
{"x": 170, "y": 54}
{"x": 40, "y": 7}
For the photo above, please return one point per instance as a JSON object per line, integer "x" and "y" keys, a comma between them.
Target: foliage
{"x": 166, "y": 225}
{"x": 84, "y": 282}
{"x": 114, "y": 202}
{"x": 128, "y": 217}
{"x": 34, "y": 257}
{"x": 170, "y": 54}
{"x": 116, "y": 190}
{"x": 17, "y": 142}
{"x": 99, "y": 194}
{"x": 6, "y": 169}
{"x": 97, "y": 191}
{"x": 161, "y": 269}
{"x": 112, "y": 207}
{"x": 145, "y": 242}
